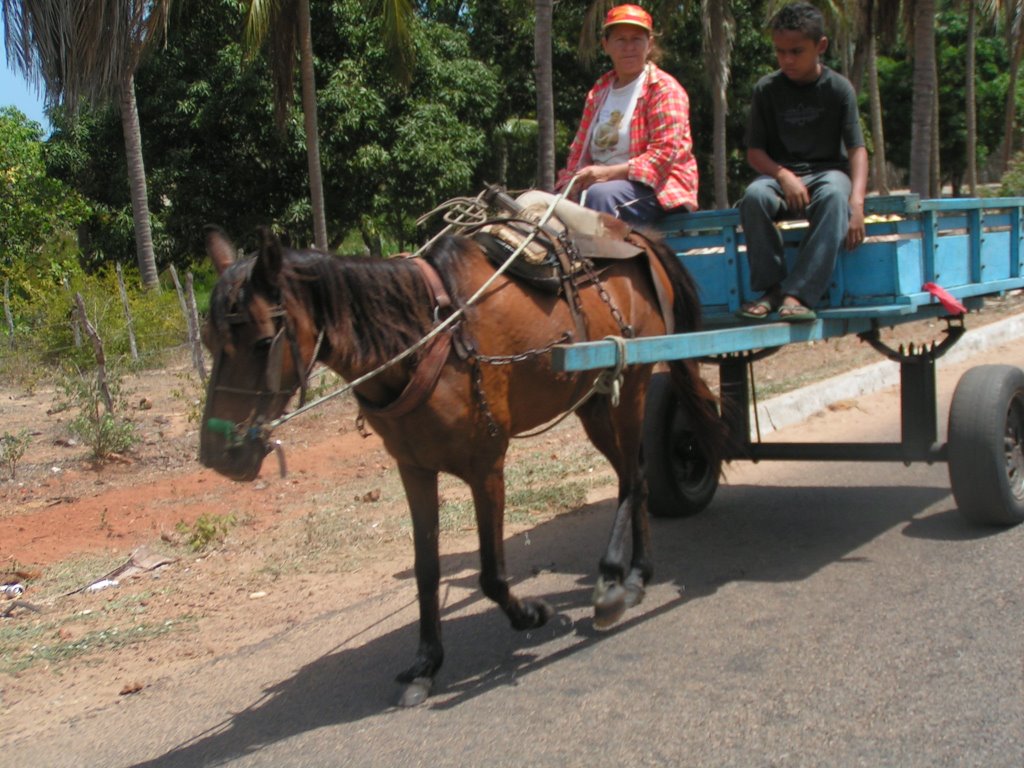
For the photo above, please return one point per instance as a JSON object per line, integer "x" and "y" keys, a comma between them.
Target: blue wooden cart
{"x": 971, "y": 248}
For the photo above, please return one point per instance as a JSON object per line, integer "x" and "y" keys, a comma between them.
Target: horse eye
{"x": 263, "y": 345}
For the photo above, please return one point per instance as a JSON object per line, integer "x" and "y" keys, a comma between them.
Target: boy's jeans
{"x": 829, "y": 216}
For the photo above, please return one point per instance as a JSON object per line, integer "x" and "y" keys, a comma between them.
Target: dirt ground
{"x": 330, "y": 532}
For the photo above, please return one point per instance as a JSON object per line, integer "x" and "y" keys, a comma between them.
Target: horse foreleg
{"x": 489, "y": 501}
{"x": 421, "y": 491}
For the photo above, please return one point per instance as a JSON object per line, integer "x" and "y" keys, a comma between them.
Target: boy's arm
{"x": 796, "y": 194}
{"x": 858, "y": 188}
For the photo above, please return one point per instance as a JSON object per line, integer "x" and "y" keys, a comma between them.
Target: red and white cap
{"x": 629, "y": 14}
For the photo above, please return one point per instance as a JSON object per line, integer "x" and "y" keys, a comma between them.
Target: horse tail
{"x": 709, "y": 429}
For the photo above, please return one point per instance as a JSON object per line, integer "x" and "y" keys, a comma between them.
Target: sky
{"x": 14, "y": 90}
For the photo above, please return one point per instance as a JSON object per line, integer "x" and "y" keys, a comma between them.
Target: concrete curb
{"x": 799, "y": 405}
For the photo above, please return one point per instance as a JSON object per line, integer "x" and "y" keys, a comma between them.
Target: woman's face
{"x": 628, "y": 46}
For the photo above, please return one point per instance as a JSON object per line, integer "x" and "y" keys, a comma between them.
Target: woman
{"x": 633, "y": 153}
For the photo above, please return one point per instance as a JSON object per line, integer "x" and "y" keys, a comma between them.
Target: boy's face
{"x": 798, "y": 55}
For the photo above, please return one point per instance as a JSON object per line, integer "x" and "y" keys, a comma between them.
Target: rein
{"x": 608, "y": 382}
{"x": 437, "y": 329}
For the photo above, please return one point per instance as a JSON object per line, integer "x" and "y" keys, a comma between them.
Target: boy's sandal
{"x": 796, "y": 313}
{"x": 756, "y": 310}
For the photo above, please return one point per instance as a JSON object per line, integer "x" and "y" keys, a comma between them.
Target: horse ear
{"x": 267, "y": 269}
{"x": 219, "y": 248}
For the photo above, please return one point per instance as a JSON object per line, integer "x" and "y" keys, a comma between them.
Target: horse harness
{"x": 561, "y": 264}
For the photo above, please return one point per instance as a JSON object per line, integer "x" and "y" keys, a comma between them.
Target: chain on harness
{"x": 458, "y": 214}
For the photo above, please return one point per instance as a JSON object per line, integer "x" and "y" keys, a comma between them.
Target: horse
{"x": 449, "y": 407}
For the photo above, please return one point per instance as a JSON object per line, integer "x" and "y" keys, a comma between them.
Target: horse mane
{"x": 369, "y": 309}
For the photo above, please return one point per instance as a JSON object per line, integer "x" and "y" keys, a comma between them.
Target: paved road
{"x": 837, "y": 615}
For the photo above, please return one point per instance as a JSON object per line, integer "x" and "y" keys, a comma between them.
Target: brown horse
{"x": 448, "y": 407}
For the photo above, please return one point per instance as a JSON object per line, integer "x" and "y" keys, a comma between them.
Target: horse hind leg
{"x": 489, "y": 501}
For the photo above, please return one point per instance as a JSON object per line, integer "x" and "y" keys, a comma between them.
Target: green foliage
{"x": 895, "y": 74}
{"x": 392, "y": 150}
{"x": 1013, "y": 180}
{"x": 105, "y": 430}
{"x": 206, "y": 531}
{"x": 47, "y": 313}
{"x": 12, "y": 448}
{"x": 38, "y": 213}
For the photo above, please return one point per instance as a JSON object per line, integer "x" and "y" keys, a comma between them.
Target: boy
{"x": 804, "y": 138}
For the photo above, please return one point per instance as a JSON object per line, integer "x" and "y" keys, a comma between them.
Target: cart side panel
{"x": 969, "y": 247}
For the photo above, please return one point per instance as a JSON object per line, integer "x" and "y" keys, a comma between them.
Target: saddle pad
{"x": 544, "y": 274}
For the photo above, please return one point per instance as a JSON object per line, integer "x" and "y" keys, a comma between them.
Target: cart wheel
{"x": 986, "y": 430}
{"x": 680, "y": 479}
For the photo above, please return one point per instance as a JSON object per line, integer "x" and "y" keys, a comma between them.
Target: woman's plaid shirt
{"x": 660, "y": 144}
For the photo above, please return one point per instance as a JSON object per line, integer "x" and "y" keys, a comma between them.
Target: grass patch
{"x": 71, "y": 626}
{"x": 70, "y": 575}
{"x": 22, "y": 645}
{"x": 343, "y": 530}
{"x": 206, "y": 531}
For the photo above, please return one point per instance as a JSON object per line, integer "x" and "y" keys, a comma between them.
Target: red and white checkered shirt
{"x": 660, "y": 144}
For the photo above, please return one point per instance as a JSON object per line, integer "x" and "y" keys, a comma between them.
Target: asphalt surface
{"x": 814, "y": 615}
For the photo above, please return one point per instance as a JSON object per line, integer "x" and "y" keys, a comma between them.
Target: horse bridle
{"x": 284, "y": 334}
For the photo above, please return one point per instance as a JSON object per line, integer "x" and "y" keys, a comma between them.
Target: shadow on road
{"x": 751, "y": 533}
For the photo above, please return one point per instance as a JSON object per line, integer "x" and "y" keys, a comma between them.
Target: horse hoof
{"x": 634, "y": 590}
{"x": 609, "y": 603}
{"x": 416, "y": 692}
{"x": 544, "y": 612}
{"x": 532, "y": 614}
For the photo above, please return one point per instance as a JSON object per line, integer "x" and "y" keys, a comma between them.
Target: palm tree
{"x": 89, "y": 52}
{"x": 971, "y": 105}
{"x": 923, "y": 110}
{"x": 287, "y": 23}
{"x": 544, "y": 10}
{"x": 719, "y": 29}
{"x": 1013, "y": 16}
{"x": 878, "y": 162}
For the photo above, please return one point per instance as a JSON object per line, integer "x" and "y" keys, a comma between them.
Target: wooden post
{"x": 97, "y": 346}
{"x": 181, "y": 293}
{"x": 127, "y": 313}
{"x": 76, "y": 328}
{"x": 8, "y": 314}
{"x": 193, "y": 329}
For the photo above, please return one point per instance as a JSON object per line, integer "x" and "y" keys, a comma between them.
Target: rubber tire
{"x": 680, "y": 480}
{"x": 986, "y": 438}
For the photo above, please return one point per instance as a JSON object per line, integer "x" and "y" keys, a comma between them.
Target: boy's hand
{"x": 796, "y": 194}
{"x": 856, "y": 232}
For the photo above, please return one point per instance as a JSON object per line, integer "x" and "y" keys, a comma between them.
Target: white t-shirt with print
{"x": 609, "y": 134}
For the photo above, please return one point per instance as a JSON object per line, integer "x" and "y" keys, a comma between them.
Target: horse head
{"x": 260, "y": 344}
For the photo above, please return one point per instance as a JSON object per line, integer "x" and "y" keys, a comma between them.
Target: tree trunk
{"x": 308, "y": 79}
{"x": 879, "y": 170}
{"x": 545, "y": 95}
{"x": 935, "y": 176}
{"x": 924, "y": 96}
{"x": 717, "y": 52}
{"x": 1016, "y": 48}
{"x": 971, "y": 100}
{"x": 137, "y": 182}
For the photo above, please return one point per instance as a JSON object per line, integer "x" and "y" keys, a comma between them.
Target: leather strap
{"x": 427, "y": 373}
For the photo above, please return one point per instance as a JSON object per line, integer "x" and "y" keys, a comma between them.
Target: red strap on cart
{"x": 951, "y": 304}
